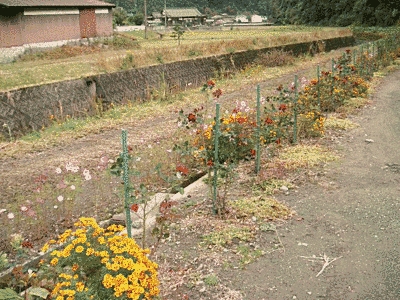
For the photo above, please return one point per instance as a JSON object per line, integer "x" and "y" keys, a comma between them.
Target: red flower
{"x": 134, "y": 207}
{"x": 182, "y": 169}
{"x": 278, "y": 141}
{"x": 235, "y": 111}
{"x": 269, "y": 121}
{"x": 348, "y": 51}
{"x": 192, "y": 117}
{"x": 217, "y": 93}
{"x": 210, "y": 163}
{"x": 211, "y": 83}
{"x": 26, "y": 244}
{"x": 241, "y": 120}
{"x": 282, "y": 107}
{"x": 253, "y": 152}
{"x": 280, "y": 87}
{"x": 41, "y": 178}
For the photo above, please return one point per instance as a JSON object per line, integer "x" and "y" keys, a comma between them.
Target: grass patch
{"x": 211, "y": 280}
{"x": 339, "y": 124}
{"x": 228, "y": 235}
{"x": 269, "y": 186}
{"x": 305, "y": 156}
{"x": 261, "y": 208}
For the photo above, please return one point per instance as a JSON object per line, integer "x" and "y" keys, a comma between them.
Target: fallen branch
{"x": 325, "y": 258}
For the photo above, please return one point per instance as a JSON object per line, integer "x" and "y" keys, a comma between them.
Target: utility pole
{"x": 145, "y": 19}
{"x": 165, "y": 13}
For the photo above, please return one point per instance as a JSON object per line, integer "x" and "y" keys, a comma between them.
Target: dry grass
{"x": 339, "y": 124}
{"x": 305, "y": 156}
{"x": 74, "y": 62}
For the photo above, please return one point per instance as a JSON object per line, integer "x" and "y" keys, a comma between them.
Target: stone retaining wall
{"x": 29, "y": 109}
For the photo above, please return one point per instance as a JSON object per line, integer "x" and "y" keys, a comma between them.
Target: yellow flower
{"x": 54, "y": 261}
{"x": 45, "y": 248}
{"x": 79, "y": 249}
{"x": 89, "y": 251}
{"x": 80, "y": 286}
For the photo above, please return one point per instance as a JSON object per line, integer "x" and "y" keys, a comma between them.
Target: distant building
{"x": 180, "y": 16}
{"x": 241, "y": 19}
{"x": 37, "y": 21}
{"x": 256, "y": 19}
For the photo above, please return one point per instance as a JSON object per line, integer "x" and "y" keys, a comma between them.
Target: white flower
{"x": 55, "y": 206}
{"x": 150, "y": 146}
{"x": 169, "y": 150}
{"x": 88, "y": 177}
{"x": 178, "y": 175}
{"x": 60, "y": 198}
{"x": 2, "y": 210}
{"x": 243, "y": 104}
{"x": 86, "y": 172}
{"x": 70, "y": 167}
{"x": 30, "y": 273}
{"x": 138, "y": 159}
{"x": 179, "y": 124}
{"x": 73, "y": 187}
{"x": 10, "y": 215}
{"x": 58, "y": 171}
{"x": 24, "y": 208}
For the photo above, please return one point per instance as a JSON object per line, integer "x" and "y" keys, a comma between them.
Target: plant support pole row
{"x": 258, "y": 147}
{"x": 126, "y": 183}
{"x": 216, "y": 156}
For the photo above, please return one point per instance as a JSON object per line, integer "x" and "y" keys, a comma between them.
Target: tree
{"x": 177, "y": 33}
{"x": 120, "y": 16}
{"x": 137, "y": 19}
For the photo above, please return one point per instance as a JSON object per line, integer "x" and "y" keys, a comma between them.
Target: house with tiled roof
{"x": 181, "y": 16}
{"x": 37, "y": 21}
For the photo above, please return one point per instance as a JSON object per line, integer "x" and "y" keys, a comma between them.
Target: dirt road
{"x": 356, "y": 219}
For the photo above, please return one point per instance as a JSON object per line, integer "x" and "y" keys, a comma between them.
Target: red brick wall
{"x": 87, "y": 22}
{"x": 10, "y": 30}
{"x": 47, "y": 28}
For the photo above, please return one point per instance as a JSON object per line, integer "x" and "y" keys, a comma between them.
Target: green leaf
{"x": 38, "y": 292}
{"x": 9, "y": 294}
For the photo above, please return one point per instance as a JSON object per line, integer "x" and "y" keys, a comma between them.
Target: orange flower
{"x": 211, "y": 83}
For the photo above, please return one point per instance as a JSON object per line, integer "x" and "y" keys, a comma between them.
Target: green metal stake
{"x": 258, "y": 148}
{"x": 216, "y": 155}
{"x": 332, "y": 82}
{"x": 125, "y": 177}
{"x": 318, "y": 91}
{"x": 295, "y": 111}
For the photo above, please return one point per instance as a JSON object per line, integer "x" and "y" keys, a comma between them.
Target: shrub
{"x": 97, "y": 263}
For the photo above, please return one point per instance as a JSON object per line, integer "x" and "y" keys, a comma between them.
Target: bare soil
{"x": 348, "y": 211}
{"x": 347, "y": 219}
